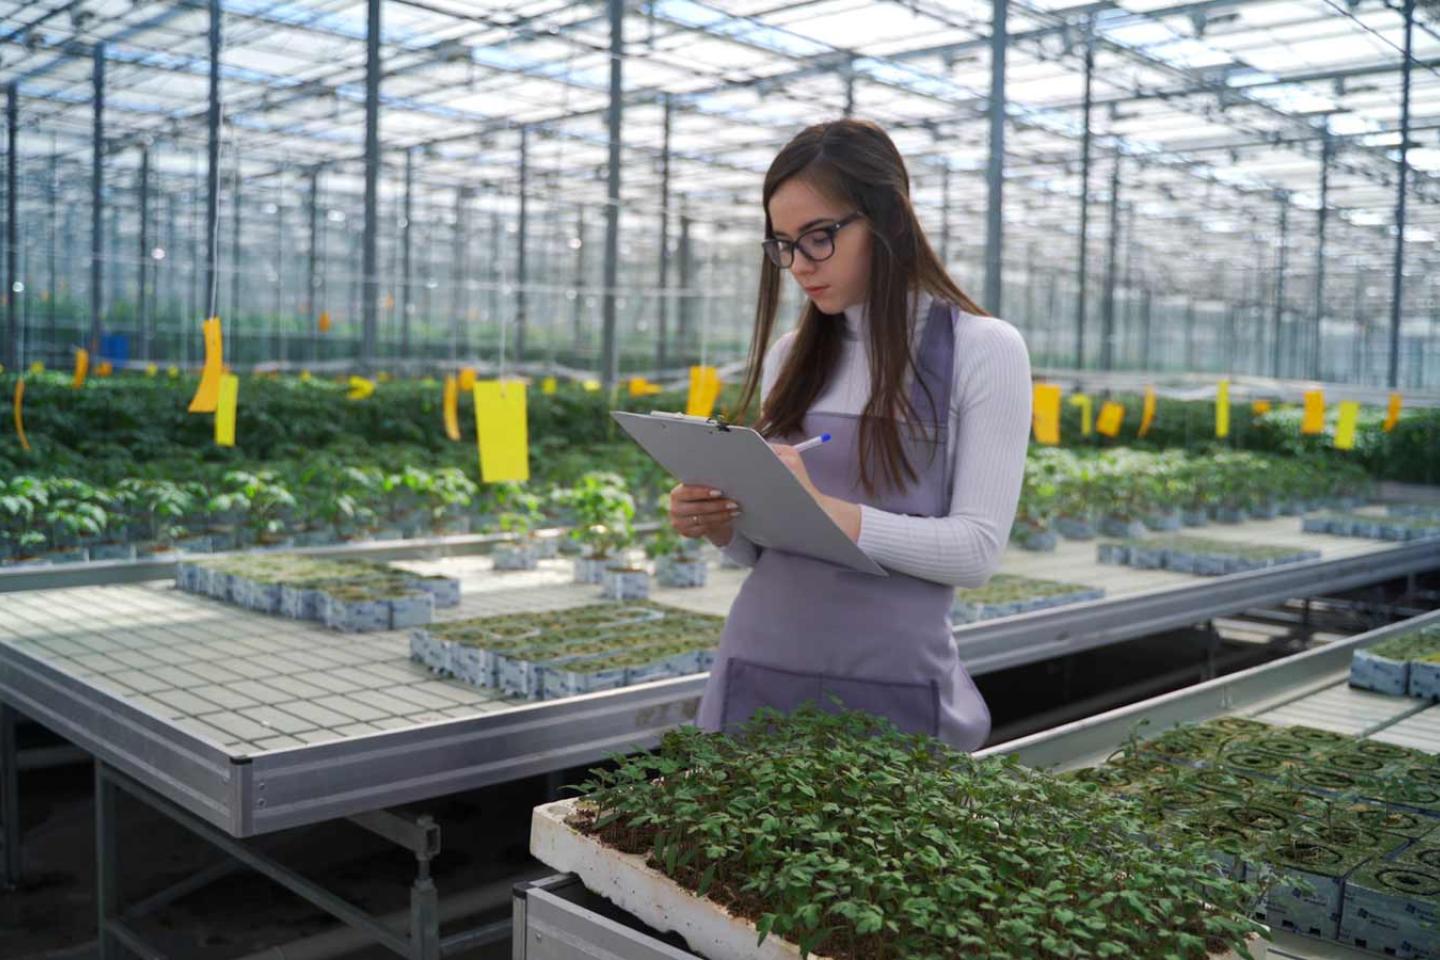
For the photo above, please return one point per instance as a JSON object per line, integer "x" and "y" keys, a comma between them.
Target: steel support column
{"x": 609, "y": 357}
{"x": 945, "y": 215}
{"x": 12, "y": 164}
{"x": 522, "y": 276}
{"x": 1397, "y": 286}
{"x": 1327, "y": 153}
{"x": 142, "y": 315}
{"x": 1082, "y": 267}
{"x": 406, "y": 302}
{"x": 995, "y": 168}
{"x": 662, "y": 303}
{"x": 212, "y": 176}
{"x": 311, "y": 279}
{"x": 97, "y": 200}
{"x": 1112, "y": 243}
{"x": 1281, "y": 265}
{"x": 370, "y": 321}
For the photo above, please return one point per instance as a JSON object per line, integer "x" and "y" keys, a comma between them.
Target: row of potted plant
{"x": 1407, "y": 664}
{"x": 569, "y": 652}
{"x": 1331, "y": 830}
{"x": 1198, "y": 555}
{"x": 1008, "y": 595}
{"x": 354, "y": 596}
{"x": 59, "y": 519}
{"x": 1123, "y": 492}
{"x": 1388, "y": 527}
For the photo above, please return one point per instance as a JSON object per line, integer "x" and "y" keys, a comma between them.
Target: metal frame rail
{"x": 556, "y": 918}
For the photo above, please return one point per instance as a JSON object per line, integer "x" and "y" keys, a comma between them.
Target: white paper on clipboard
{"x": 776, "y": 511}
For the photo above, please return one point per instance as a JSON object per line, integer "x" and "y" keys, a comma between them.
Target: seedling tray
{"x": 627, "y": 881}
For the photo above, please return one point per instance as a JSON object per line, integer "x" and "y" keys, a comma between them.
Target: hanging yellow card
{"x": 1111, "y": 416}
{"x": 1222, "y": 409}
{"x": 1259, "y": 407}
{"x": 704, "y": 391}
{"x": 1086, "y": 406}
{"x": 324, "y": 322}
{"x": 1392, "y": 414}
{"x": 467, "y": 379}
{"x": 1314, "y": 419}
{"x": 1147, "y": 412}
{"x": 590, "y": 386}
{"x": 548, "y": 386}
{"x": 1345, "y": 425}
{"x": 1046, "y": 413}
{"x": 226, "y": 400}
{"x": 82, "y": 367}
{"x": 151, "y": 369}
{"x": 19, "y": 413}
{"x": 452, "y": 408}
{"x": 37, "y": 367}
{"x": 501, "y": 431}
{"x": 104, "y": 369}
{"x": 207, "y": 395}
{"x": 360, "y": 388}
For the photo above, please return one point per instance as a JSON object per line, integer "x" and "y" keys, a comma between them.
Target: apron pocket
{"x": 912, "y": 707}
{"x": 750, "y": 686}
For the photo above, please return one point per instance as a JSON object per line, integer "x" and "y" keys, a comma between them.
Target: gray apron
{"x": 804, "y": 629}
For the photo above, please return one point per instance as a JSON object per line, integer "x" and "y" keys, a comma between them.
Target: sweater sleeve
{"x": 741, "y": 548}
{"x": 992, "y": 404}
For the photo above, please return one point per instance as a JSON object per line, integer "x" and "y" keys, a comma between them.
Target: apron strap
{"x": 935, "y": 367}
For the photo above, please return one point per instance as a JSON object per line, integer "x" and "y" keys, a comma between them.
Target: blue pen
{"x": 804, "y": 445}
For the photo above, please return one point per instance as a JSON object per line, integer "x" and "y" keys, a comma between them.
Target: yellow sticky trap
{"x": 82, "y": 367}
{"x": 37, "y": 368}
{"x": 207, "y": 395}
{"x": 1345, "y": 425}
{"x": 1147, "y": 411}
{"x": 1260, "y": 406}
{"x": 1222, "y": 409}
{"x": 590, "y": 386}
{"x": 1046, "y": 413}
{"x": 225, "y": 402}
{"x": 467, "y": 380}
{"x": 1111, "y": 416}
{"x": 173, "y": 372}
{"x": 305, "y": 376}
{"x": 360, "y": 388}
{"x": 104, "y": 369}
{"x": 501, "y": 431}
{"x": 1086, "y": 405}
{"x": 452, "y": 408}
{"x": 20, "y": 414}
{"x": 151, "y": 369}
{"x": 704, "y": 391}
{"x": 324, "y": 321}
{"x": 1314, "y": 419}
{"x": 1392, "y": 414}
{"x": 548, "y": 386}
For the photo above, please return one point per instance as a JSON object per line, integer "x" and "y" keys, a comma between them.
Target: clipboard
{"x": 777, "y": 512}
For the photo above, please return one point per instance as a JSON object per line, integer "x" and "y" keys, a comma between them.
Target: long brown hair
{"x": 856, "y": 163}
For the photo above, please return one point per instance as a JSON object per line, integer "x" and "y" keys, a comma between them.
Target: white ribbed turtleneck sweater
{"x": 989, "y": 433}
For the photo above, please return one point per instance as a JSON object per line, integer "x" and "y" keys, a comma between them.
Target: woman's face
{"x": 844, "y": 278}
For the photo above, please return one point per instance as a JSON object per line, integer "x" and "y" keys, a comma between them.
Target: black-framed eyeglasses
{"x": 817, "y": 244}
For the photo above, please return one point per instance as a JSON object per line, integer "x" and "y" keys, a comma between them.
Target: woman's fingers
{"x": 698, "y": 510}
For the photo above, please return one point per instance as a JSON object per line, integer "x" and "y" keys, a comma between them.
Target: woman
{"x": 927, "y": 399}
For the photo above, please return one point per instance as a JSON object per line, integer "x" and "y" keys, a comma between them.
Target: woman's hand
{"x": 845, "y": 514}
{"x": 702, "y": 511}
